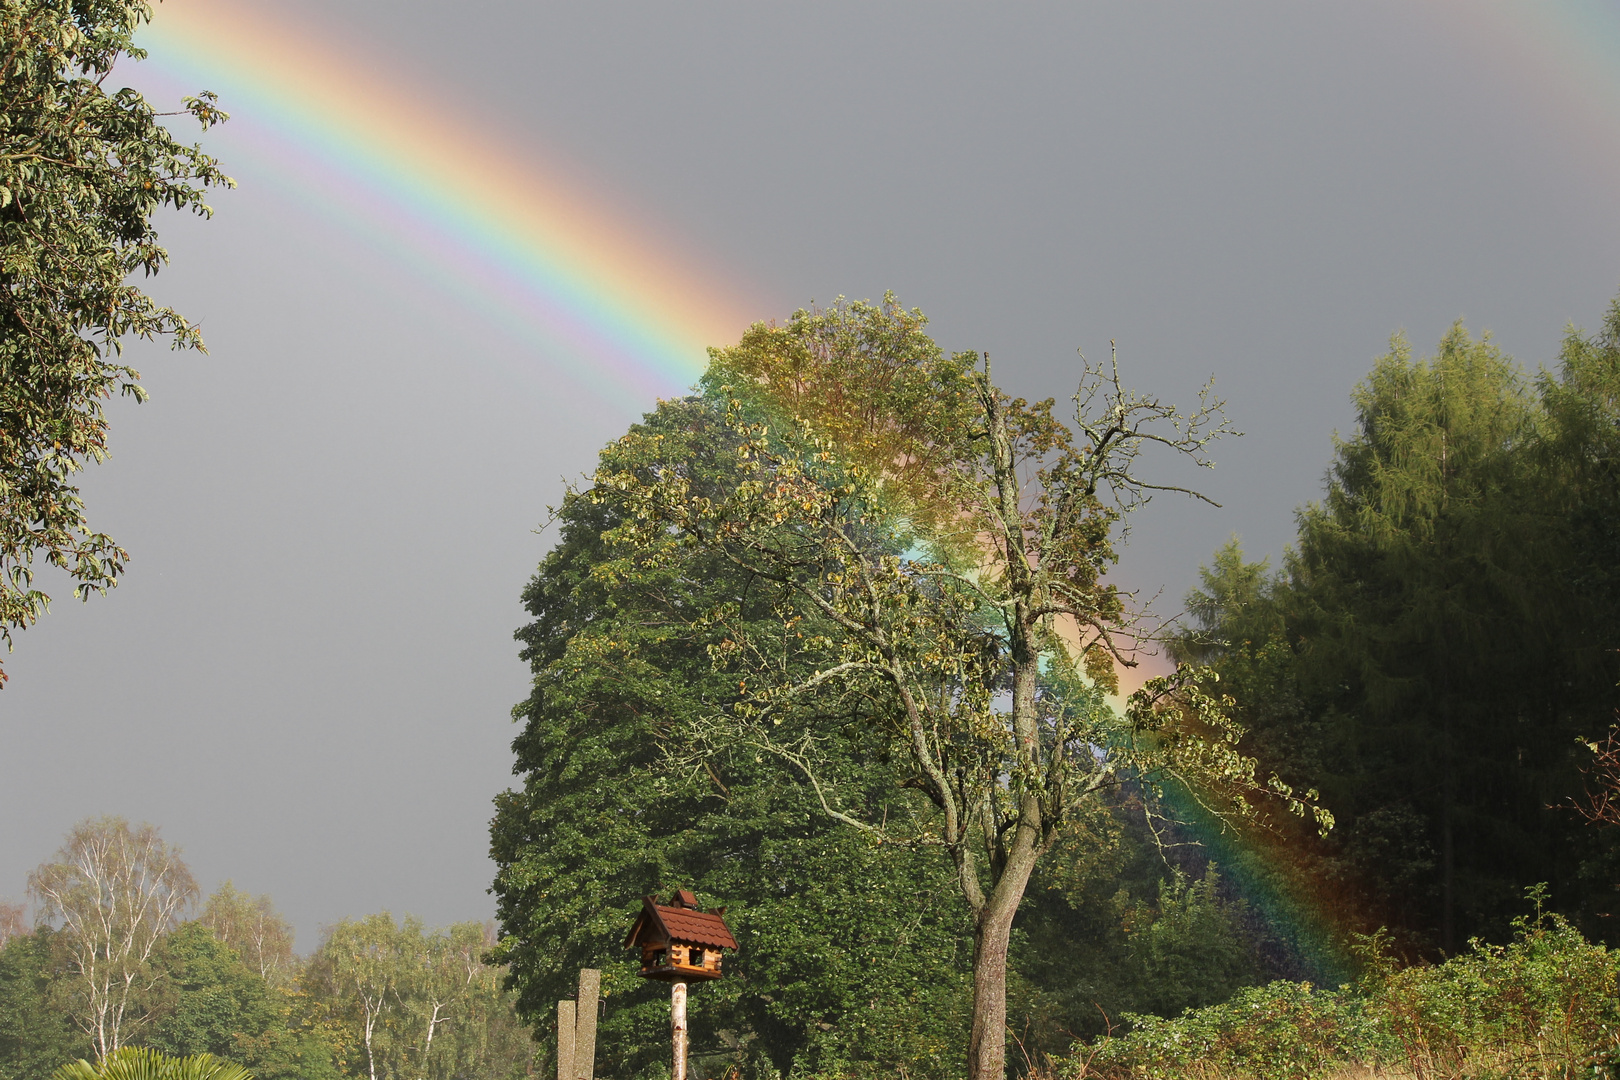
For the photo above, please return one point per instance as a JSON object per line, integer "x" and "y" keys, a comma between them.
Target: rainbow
{"x": 1310, "y": 924}
{"x": 576, "y": 283}
{"x": 591, "y": 294}
{"x": 580, "y": 287}
{"x": 1563, "y": 58}
{"x": 594, "y": 294}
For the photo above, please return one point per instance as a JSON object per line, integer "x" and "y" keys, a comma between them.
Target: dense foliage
{"x": 931, "y": 556}
{"x": 207, "y": 996}
{"x": 377, "y": 998}
{"x": 36, "y": 1032}
{"x": 83, "y": 168}
{"x": 856, "y": 945}
{"x": 1441, "y": 643}
{"x": 322, "y": 1018}
{"x": 1542, "y": 1005}
{"x": 851, "y": 951}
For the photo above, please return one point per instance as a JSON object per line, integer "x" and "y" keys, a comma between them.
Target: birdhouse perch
{"x": 679, "y": 941}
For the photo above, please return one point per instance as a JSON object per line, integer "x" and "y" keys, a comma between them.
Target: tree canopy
{"x": 890, "y": 576}
{"x": 828, "y": 976}
{"x": 1440, "y": 643}
{"x": 115, "y": 892}
{"x": 83, "y": 169}
{"x": 377, "y": 998}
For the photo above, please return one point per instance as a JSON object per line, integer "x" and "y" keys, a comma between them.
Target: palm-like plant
{"x": 140, "y": 1063}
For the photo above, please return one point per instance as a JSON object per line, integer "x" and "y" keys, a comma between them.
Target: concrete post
{"x": 590, "y": 987}
{"x": 565, "y": 1040}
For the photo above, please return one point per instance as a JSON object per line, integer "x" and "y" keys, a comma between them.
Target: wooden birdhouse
{"x": 679, "y": 942}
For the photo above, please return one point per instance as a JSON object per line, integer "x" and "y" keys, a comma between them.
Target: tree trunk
{"x": 677, "y": 1024}
{"x": 427, "y": 1047}
{"x": 987, "y": 1042}
{"x": 992, "y": 934}
{"x": 371, "y": 1059}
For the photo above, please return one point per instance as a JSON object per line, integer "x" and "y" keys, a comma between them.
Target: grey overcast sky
{"x": 306, "y": 677}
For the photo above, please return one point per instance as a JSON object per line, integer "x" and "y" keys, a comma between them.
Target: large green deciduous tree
{"x": 83, "y": 169}
{"x": 36, "y": 1032}
{"x": 207, "y": 999}
{"x": 933, "y": 553}
{"x": 853, "y": 954}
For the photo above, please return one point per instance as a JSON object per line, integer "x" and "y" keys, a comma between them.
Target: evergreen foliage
{"x": 1441, "y": 642}
{"x": 853, "y": 954}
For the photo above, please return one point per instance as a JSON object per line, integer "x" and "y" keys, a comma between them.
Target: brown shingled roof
{"x": 677, "y": 922}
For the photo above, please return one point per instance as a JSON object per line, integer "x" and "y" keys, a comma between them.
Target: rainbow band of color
{"x": 576, "y": 282}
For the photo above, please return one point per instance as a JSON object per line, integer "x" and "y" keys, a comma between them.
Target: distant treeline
{"x": 115, "y": 961}
{"x": 857, "y": 959}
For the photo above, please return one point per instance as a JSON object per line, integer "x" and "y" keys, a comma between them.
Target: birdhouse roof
{"x": 680, "y": 920}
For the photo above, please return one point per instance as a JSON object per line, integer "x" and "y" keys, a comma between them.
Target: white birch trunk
{"x": 677, "y": 1023}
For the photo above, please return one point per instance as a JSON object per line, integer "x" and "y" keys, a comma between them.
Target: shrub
{"x": 1544, "y": 1005}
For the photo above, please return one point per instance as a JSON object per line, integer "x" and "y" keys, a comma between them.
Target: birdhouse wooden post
{"x": 679, "y": 942}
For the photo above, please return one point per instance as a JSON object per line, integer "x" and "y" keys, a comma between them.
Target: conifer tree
{"x": 1438, "y": 646}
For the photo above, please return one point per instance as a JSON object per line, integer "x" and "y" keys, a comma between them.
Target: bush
{"x": 1285, "y": 1030}
{"x": 1544, "y": 1005}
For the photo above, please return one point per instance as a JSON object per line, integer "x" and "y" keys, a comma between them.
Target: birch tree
{"x": 114, "y": 891}
{"x": 13, "y": 921}
{"x": 423, "y": 1003}
{"x": 441, "y": 983}
{"x": 363, "y": 961}
{"x": 254, "y": 928}
{"x": 955, "y": 541}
